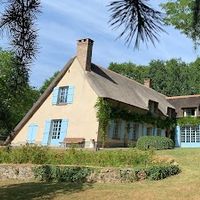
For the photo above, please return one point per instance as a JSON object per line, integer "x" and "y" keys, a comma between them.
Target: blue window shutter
{"x": 111, "y": 128}
{"x": 70, "y": 94}
{"x": 46, "y": 132}
{"x": 29, "y": 135}
{"x": 63, "y": 131}
{"x": 55, "y": 96}
{"x": 32, "y": 131}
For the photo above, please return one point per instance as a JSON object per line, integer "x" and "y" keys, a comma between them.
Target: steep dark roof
{"x": 109, "y": 84}
{"x": 180, "y": 102}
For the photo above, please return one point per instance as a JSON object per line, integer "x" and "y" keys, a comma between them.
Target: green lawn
{"x": 184, "y": 186}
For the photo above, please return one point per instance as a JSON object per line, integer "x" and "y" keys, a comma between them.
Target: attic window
{"x": 189, "y": 112}
{"x": 170, "y": 112}
{"x": 153, "y": 106}
{"x": 62, "y": 95}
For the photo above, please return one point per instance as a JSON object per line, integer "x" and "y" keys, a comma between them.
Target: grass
{"x": 183, "y": 186}
{"x": 41, "y": 155}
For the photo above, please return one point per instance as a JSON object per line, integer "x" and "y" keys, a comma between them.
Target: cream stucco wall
{"x": 81, "y": 114}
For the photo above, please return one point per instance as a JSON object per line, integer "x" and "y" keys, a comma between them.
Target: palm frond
{"x": 137, "y": 19}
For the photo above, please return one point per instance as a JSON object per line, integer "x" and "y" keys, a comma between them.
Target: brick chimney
{"x": 147, "y": 82}
{"x": 84, "y": 53}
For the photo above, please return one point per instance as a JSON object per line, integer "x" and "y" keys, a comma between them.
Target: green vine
{"x": 106, "y": 112}
{"x": 188, "y": 121}
{"x": 103, "y": 115}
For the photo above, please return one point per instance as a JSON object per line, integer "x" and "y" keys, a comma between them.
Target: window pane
{"x": 193, "y": 133}
{"x": 56, "y": 128}
{"x": 197, "y": 134}
{"x": 62, "y": 98}
{"x": 183, "y": 134}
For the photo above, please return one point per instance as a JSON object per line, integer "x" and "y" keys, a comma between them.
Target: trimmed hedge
{"x": 154, "y": 142}
{"x": 52, "y": 173}
{"x": 71, "y": 174}
{"x": 157, "y": 172}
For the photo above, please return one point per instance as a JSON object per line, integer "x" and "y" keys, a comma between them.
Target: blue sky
{"x": 63, "y": 22}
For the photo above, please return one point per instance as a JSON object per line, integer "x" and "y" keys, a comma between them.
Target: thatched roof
{"x": 109, "y": 84}
{"x": 181, "y": 102}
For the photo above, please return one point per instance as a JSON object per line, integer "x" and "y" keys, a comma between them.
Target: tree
{"x": 141, "y": 22}
{"x": 47, "y": 82}
{"x": 172, "y": 78}
{"x": 180, "y": 14}
{"x": 18, "y": 22}
{"x": 13, "y": 103}
{"x": 130, "y": 70}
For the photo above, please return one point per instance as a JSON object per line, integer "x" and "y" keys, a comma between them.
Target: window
{"x": 62, "y": 95}
{"x": 117, "y": 126}
{"x": 55, "y": 129}
{"x": 153, "y": 107}
{"x": 190, "y": 134}
{"x": 171, "y": 112}
{"x": 132, "y": 129}
{"x": 189, "y": 112}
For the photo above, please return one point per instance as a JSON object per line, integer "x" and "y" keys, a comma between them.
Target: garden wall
{"x": 101, "y": 175}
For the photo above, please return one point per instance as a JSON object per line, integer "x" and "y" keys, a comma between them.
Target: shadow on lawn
{"x": 39, "y": 190}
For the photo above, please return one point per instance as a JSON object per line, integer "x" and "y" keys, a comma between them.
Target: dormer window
{"x": 153, "y": 107}
{"x": 189, "y": 112}
{"x": 170, "y": 112}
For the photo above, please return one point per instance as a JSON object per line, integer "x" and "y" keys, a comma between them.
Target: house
{"x": 66, "y": 111}
{"x": 188, "y": 123}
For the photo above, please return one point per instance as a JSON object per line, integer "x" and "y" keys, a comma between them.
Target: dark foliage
{"x": 196, "y": 20}
{"x": 61, "y": 174}
{"x": 18, "y": 21}
{"x": 157, "y": 172}
{"x": 138, "y": 20}
{"x": 154, "y": 142}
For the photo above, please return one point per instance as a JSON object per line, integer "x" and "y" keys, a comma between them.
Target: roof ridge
{"x": 184, "y": 96}
{"x": 131, "y": 80}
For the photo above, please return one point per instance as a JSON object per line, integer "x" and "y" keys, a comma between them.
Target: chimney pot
{"x": 148, "y": 82}
{"x": 84, "y": 53}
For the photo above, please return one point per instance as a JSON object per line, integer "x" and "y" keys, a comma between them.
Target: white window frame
{"x": 55, "y": 129}
{"x": 62, "y": 95}
{"x": 190, "y": 134}
{"x": 187, "y": 112}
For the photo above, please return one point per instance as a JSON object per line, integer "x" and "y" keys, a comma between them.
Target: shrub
{"x": 154, "y": 142}
{"x": 105, "y": 158}
{"x": 50, "y": 173}
{"x": 157, "y": 172}
{"x": 24, "y": 154}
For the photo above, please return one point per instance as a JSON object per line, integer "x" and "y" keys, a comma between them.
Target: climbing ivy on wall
{"x": 103, "y": 115}
{"x": 106, "y": 111}
{"x": 183, "y": 121}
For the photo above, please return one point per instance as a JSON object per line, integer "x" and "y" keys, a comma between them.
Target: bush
{"x": 157, "y": 172}
{"x": 43, "y": 155}
{"x": 24, "y": 154}
{"x": 50, "y": 173}
{"x": 154, "y": 142}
